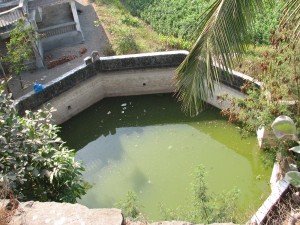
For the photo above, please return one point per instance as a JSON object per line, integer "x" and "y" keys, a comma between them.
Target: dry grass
{"x": 282, "y": 211}
{"x": 7, "y": 207}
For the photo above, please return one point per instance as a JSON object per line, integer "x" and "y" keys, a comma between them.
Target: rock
{"x": 171, "y": 223}
{"x": 37, "y": 213}
{"x": 184, "y": 223}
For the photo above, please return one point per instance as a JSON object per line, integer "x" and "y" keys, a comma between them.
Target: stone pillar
{"x": 88, "y": 60}
{"x": 95, "y": 55}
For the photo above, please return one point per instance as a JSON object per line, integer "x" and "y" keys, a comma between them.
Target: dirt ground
{"x": 95, "y": 38}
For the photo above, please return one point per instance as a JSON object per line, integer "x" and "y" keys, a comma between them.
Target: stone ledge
{"x": 53, "y": 213}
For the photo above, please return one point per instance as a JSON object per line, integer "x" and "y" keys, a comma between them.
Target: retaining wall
{"x": 101, "y": 77}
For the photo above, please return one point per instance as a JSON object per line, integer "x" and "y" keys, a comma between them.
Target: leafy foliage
{"x": 178, "y": 18}
{"x": 34, "y": 159}
{"x": 19, "y": 47}
{"x": 279, "y": 93}
{"x": 138, "y": 6}
{"x": 130, "y": 206}
{"x": 171, "y": 18}
{"x": 125, "y": 42}
{"x": 223, "y": 30}
{"x": 294, "y": 178}
{"x": 266, "y": 21}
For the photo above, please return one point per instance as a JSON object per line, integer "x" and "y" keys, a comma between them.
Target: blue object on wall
{"x": 38, "y": 87}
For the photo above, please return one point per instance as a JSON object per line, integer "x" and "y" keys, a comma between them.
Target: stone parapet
{"x": 106, "y": 66}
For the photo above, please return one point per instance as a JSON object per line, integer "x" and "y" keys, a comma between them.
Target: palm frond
{"x": 292, "y": 15}
{"x": 223, "y": 34}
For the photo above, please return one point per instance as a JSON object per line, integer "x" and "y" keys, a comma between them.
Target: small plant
{"x": 206, "y": 207}
{"x": 130, "y": 206}
{"x": 125, "y": 42}
{"x": 171, "y": 42}
{"x": 130, "y": 20}
{"x": 20, "y": 48}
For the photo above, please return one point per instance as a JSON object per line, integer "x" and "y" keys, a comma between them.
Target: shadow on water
{"x": 103, "y": 118}
{"x": 85, "y": 131}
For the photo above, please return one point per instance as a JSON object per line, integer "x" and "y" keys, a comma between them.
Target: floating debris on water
{"x": 124, "y": 104}
{"x": 122, "y": 111}
{"x": 109, "y": 112}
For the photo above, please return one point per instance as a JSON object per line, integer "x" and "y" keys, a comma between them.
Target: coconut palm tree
{"x": 223, "y": 35}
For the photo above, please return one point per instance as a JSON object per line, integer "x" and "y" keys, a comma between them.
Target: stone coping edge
{"x": 278, "y": 188}
{"x": 95, "y": 65}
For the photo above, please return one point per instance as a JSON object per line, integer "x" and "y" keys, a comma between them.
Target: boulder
{"x": 53, "y": 213}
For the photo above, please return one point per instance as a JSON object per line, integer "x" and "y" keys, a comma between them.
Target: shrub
{"x": 267, "y": 21}
{"x": 130, "y": 20}
{"x": 178, "y": 18}
{"x": 129, "y": 205}
{"x": 138, "y": 6}
{"x": 33, "y": 159}
{"x": 279, "y": 93}
{"x": 125, "y": 42}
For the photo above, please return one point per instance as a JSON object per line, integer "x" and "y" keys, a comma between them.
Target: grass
{"x": 127, "y": 34}
{"x": 252, "y": 59}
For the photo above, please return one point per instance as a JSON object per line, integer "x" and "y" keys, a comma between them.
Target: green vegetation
{"x": 127, "y": 33}
{"x": 206, "y": 207}
{"x": 33, "y": 159}
{"x": 267, "y": 21}
{"x": 280, "y": 90}
{"x": 130, "y": 206}
{"x": 171, "y": 18}
{"x": 180, "y": 18}
{"x": 20, "y": 48}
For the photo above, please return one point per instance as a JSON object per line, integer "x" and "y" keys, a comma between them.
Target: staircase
{"x": 11, "y": 12}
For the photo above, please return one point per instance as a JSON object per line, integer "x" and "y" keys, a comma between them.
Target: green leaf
{"x": 223, "y": 32}
{"x": 294, "y": 178}
{"x": 31, "y": 134}
{"x": 295, "y": 149}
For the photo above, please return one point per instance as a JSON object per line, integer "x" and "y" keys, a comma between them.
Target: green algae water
{"x": 147, "y": 145}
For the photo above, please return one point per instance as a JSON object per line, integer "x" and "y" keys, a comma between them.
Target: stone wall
{"x": 113, "y": 76}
